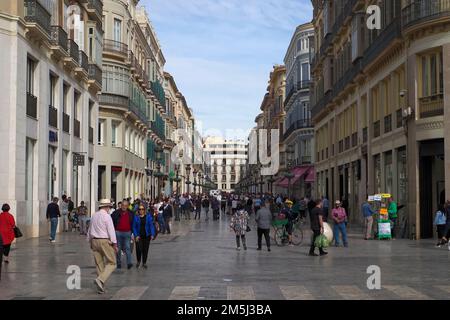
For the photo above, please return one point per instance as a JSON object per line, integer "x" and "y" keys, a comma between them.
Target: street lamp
{"x": 177, "y": 178}
{"x": 188, "y": 174}
{"x": 289, "y": 175}
{"x": 158, "y": 174}
{"x": 199, "y": 176}
{"x": 195, "y": 181}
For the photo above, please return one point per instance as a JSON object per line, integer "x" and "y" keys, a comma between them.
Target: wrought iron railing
{"x": 424, "y": 10}
{"x": 36, "y": 13}
{"x": 59, "y": 37}
{"x": 299, "y": 124}
{"x": 73, "y": 50}
{"x": 115, "y": 47}
{"x": 84, "y": 61}
{"x": 97, "y": 6}
{"x": 95, "y": 73}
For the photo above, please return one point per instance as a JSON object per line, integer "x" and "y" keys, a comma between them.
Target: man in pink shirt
{"x": 102, "y": 238}
{"x": 339, "y": 216}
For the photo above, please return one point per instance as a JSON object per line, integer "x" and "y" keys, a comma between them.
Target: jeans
{"x": 325, "y": 213}
{"x": 123, "y": 243}
{"x": 65, "y": 222}
{"x": 197, "y": 213}
{"x": 340, "y": 227}
{"x": 266, "y": 233}
{"x": 83, "y": 224}
{"x": 238, "y": 244}
{"x": 393, "y": 225}
{"x": 53, "y": 227}
{"x": 142, "y": 247}
{"x": 206, "y": 213}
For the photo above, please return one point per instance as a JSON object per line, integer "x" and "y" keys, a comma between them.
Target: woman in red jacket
{"x": 7, "y": 225}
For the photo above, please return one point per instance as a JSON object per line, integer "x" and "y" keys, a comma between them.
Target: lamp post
{"x": 199, "y": 176}
{"x": 289, "y": 175}
{"x": 195, "y": 181}
{"x": 188, "y": 174}
{"x": 158, "y": 174}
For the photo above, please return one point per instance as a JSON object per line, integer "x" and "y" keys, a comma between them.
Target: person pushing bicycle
{"x": 291, "y": 217}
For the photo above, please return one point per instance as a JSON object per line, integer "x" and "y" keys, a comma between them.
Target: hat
{"x": 289, "y": 202}
{"x": 104, "y": 203}
{"x": 338, "y": 202}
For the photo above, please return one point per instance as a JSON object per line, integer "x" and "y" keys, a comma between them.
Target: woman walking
{"x": 7, "y": 225}
{"x": 144, "y": 231}
{"x": 239, "y": 224}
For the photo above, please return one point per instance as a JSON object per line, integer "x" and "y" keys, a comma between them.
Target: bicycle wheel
{"x": 280, "y": 238}
{"x": 297, "y": 236}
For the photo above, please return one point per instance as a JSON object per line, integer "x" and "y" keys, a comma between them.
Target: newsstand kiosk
{"x": 380, "y": 203}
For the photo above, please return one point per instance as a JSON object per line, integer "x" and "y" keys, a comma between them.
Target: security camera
{"x": 403, "y": 93}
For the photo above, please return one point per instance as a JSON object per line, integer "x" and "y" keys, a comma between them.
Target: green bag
{"x": 321, "y": 242}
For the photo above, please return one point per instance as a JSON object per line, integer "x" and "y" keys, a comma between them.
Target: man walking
{"x": 52, "y": 215}
{"x": 368, "y": 213}
{"x": 65, "y": 213}
{"x": 316, "y": 217}
{"x": 123, "y": 222}
{"x": 264, "y": 221}
{"x": 102, "y": 238}
{"x": 205, "y": 205}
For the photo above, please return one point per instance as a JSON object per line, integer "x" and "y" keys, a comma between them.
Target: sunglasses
{"x": 142, "y": 209}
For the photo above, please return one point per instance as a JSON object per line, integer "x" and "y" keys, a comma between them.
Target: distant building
{"x": 227, "y": 159}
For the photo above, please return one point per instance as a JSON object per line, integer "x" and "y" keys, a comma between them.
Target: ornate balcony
{"x": 299, "y": 86}
{"x": 59, "y": 41}
{"x": 37, "y": 19}
{"x": 74, "y": 54}
{"x": 95, "y": 76}
{"x": 425, "y": 11}
{"x": 432, "y": 106}
{"x": 116, "y": 48}
{"x": 95, "y": 9}
{"x": 299, "y": 124}
{"x": 84, "y": 62}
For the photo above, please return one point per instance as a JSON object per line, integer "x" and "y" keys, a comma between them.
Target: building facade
{"x": 132, "y": 118}
{"x": 379, "y": 106}
{"x": 298, "y": 132}
{"x": 50, "y": 103}
{"x": 227, "y": 158}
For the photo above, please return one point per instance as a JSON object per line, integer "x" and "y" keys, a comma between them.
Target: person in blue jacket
{"x": 144, "y": 231}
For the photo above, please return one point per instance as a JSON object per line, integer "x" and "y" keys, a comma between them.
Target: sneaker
{"x": 238, "y": 248}
{"x": 138, "y": 265}
{"x": 291, "y": 245}
{"x": 52, "y": 241}
{"x": 99, "y": 285}
{"x": 323, "y": 253}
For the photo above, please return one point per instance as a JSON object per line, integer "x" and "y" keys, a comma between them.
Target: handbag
{"x": 248, "y": 229}
{"x": 17, "y": 232}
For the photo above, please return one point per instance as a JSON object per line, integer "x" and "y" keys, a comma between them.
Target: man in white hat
{"x": 102, "y": 238}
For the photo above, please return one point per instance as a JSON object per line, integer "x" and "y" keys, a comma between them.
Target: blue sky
{"x": 221, "y": 52}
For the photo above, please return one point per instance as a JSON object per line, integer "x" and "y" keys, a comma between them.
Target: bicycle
{"x": 281, "y": 236}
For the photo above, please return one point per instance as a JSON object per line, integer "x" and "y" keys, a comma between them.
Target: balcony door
{"x": 117, "y": 30}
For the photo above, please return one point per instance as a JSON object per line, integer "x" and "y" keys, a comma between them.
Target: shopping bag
{"x": 322, "y": 242}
